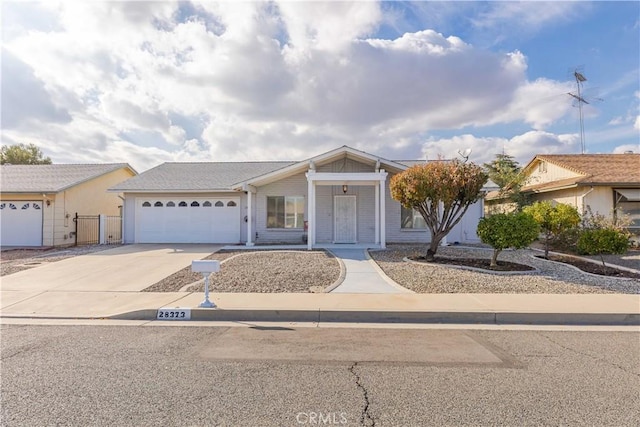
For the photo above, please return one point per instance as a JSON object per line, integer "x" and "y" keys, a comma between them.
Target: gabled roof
{"x": 595, "y": 168}
{"x": 338, "y": 153}
{"x": 51, "y": 178}
{"x": 619, "y": 170}
{"x": 197, "y": 177}
{"x": 229, "y": 176}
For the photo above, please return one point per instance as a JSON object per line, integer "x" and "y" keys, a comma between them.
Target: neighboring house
{"x": 342, "y": 196}
{"x": 608, "y": 184}
{"x": 38, "y": 202}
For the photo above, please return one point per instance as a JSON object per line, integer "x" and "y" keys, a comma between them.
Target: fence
{"x": 98, "y": 229}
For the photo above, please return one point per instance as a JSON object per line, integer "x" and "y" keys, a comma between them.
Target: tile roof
{"x": 599, "y": 168}
{"x": 205, "y": 176}
{"x": 50, "y": 178}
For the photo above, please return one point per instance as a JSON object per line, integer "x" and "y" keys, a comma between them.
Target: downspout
{"x": 584, "y": 209}
{"x": 124, "y": 206}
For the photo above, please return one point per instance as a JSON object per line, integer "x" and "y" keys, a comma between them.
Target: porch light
{"x": 345, "y": 188}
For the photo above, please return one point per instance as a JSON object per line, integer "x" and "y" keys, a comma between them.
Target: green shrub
{"x": 553, "y": 219}
{"x": 507, "y": 230}
{"x": 599, "y": 241}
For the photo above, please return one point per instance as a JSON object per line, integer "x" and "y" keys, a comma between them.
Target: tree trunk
{"x": 494, "y": 258}
{"x": 433, "y": 248}
{"x": 547, "y": 240}
{"x": 604, "y": 265}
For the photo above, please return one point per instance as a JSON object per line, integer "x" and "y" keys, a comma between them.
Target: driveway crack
{"x": 366, "y": 419}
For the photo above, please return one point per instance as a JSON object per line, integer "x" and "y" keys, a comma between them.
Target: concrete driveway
{"x": 129, "y": 268}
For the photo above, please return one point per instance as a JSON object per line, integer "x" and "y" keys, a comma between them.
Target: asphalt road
{"x": 203, "y": 376}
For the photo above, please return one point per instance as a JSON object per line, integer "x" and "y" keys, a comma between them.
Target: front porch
{"x": 344, "y": 223}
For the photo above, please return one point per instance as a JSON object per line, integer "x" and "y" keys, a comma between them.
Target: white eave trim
{"x": 140, "y": 191}
{"x": 304, "y": 166}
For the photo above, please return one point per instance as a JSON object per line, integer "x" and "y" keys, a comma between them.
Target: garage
{"x": 182, "y": 220}
{"x": 21, "y": 223}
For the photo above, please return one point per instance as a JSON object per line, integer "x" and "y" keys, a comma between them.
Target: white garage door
{"x": 21, "y": 223}
{"x": 182, "y": 220}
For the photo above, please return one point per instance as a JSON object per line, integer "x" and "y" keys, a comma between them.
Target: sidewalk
{"x": 363, "y": 276}
{"x": 591, "y": 309}
{"x": 382, "y": 302}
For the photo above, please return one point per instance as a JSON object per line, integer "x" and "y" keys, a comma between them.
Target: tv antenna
{"x": 581, "y": 100}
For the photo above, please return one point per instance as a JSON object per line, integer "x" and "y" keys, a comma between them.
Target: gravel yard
{"x": 551, "y": 277}
{"x": 259, "y": 271}
{"x": 15, "y": 260}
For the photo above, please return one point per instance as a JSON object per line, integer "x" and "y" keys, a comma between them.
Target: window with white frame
{"x": 285, "y": 212}
{"x": 411, "y": 219}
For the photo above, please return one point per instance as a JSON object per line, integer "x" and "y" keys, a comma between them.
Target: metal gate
{"x": 87, "y": 229}
{"x": 98, "y": 229}
{"x": 112, "y": 230}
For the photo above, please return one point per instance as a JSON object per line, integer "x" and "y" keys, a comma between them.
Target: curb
{"x": 379, "y": 316}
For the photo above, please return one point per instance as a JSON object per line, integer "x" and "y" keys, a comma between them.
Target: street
{"x": 285, "y": 376}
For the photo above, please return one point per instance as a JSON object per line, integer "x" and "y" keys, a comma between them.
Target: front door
{"x": 345, "y": 219}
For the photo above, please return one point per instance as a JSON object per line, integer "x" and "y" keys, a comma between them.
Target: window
{"x": 171, "y": 205}
{"x": 195, "y": 204}
{"x": 542, "y": 167}
{"x": 412, "y": 219}
{"x": 146, "y": 205}
{"x": 182, "y": 204}
{"x": 157, "y": 204}
{"x": 206, "y": 204}
{"x": 632, "y": 211}
{"x": 219, "y": 204}
{"x": 285, "y": 212}
{"x": 232, "y": 203}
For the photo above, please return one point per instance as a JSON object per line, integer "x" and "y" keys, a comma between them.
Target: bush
{"x": 553, "y": 219}
{"x": 512, "y": 230}
{"x": 599, "y": 241}
{"x": 567, "y": 240}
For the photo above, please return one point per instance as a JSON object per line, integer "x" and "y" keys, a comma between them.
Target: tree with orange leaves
{"x": 442, "y": 192}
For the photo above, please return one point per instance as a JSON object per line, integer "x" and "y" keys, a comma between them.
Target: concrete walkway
{"x": 362, "y": 275}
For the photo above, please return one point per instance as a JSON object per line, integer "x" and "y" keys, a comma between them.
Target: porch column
{"x": 311, "y": 211}
{"x": 377, "y": 214}
{"x": 249, "y": 219}
{"x": 383, "y": 238}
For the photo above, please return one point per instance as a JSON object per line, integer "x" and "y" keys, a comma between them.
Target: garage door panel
{"x": 21, "y": 223}
{"x": 171, "y": 220}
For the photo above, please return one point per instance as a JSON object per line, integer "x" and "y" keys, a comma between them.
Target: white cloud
{"x": 509, "y": 17}
{"x": 626, "y": 148}
{"x": 261, "y": 80}
{"x": 484, "y": 149}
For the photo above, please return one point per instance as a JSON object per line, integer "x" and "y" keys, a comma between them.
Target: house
{"x": 608, "y": 184}
{"x": 38, "y": 202}
{"x": 339, "y": 197}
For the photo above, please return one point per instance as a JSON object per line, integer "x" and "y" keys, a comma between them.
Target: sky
{"x": 146, "y": 82}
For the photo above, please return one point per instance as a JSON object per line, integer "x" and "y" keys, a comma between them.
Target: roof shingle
{"x": 599, "y": 168}
{"x": 50, "y": 178}
{"x": 205, "y": 176}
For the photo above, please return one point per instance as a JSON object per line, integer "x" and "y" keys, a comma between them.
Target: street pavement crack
{"x": 599, "y": 359}
{"x": 366, "y": 419}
